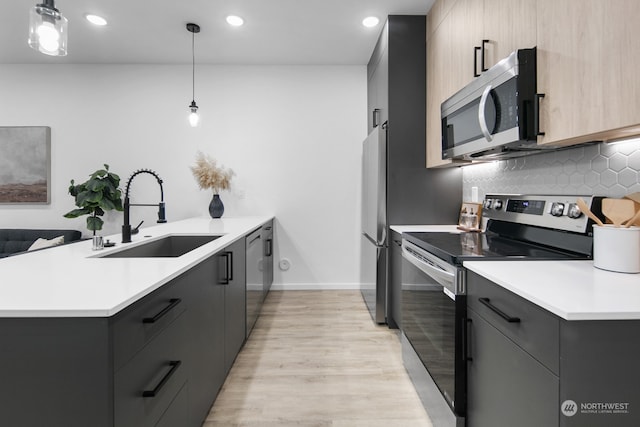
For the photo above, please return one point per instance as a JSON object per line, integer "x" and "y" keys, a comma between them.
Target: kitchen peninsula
{"x": 91, "y": 339}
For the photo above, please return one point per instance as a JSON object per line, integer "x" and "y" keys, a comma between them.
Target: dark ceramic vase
{"x": 216, "y": 208}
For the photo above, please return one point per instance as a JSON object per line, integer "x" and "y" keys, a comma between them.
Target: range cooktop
{"x": 519, "y": 227}
{"x": 456, "y": 248}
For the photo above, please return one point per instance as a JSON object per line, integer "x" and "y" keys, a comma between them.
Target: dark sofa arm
{"x": 15, "y": 240}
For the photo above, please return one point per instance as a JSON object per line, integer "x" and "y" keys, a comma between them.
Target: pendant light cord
{"x": 193, "y": 66}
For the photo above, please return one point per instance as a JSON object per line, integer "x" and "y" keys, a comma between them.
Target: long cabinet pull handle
{"x": 172, "y": 303}
{"x": 269, "y": 247}
{"x": 175, "y": 364}
{"x": 229, "y": 266}
{"x": 482, "y": 55}
{"x": 496, "y": 310}
{"x": 476, "y": 49}
{"x": 536, "y": 115}
{"x": 225, "y": 279}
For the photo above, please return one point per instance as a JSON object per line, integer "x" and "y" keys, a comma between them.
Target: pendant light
{"x": 48, "y": 29}
{"x": 194, "y": 118}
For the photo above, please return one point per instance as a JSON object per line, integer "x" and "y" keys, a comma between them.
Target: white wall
{"x": 292, "y": 134}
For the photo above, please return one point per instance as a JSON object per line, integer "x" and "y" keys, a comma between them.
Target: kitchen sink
{"x": 166, "y": 247}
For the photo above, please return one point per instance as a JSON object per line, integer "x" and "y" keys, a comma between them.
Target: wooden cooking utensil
{"x": 585, "y": 210}
{"x": 633, "y": 196}
{"x": 636, "y": 199}
{"x": 632, "y": 220}
{"x": 618, "y": 210}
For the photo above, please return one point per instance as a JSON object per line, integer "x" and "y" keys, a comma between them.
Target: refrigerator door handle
{"x": 371, "y": 240}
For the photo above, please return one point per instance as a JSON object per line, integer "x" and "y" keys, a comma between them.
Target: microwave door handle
{"x": 481, "y": 118}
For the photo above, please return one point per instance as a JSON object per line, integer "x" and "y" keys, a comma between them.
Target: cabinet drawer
{"x": 506, "y": 386}
{"x": 535, "y": 330}
{"x": 178, "y": 412}
{"x": 138, "y": 324}
{"x": 145, "y": 387}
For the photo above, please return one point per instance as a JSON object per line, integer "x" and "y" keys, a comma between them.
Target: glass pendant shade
{"x": 194, "y": 117}
{"x": 48, "y": 30}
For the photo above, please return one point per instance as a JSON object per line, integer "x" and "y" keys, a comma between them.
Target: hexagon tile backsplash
{"x": 604, "y": 169}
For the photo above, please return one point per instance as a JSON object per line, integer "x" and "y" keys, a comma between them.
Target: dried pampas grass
{"x": 210, "y": 175}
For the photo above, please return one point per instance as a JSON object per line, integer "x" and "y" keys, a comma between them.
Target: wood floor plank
{"x": 316, "y": 359}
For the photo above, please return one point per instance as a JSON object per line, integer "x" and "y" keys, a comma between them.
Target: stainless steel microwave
{"x": 497, "y": 115}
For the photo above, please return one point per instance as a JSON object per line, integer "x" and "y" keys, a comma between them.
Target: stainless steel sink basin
{"x": 166, "y": 247}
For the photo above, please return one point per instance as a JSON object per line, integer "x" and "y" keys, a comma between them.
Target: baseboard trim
{"x": 314, "y": 286}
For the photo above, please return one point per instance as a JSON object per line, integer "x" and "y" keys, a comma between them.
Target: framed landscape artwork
{"x": 25, "y": 165}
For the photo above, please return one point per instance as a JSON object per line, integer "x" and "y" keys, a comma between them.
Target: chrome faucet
{"x": 126, "y": 228}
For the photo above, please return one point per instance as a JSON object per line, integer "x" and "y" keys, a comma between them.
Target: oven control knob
{"x": 497, "y": 204}
{"x": 557, "y": 209}
{"x": 487, "y": 203}
{"x": 574, "y": 211}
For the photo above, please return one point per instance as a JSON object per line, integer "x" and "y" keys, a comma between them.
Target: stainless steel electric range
{"x": 518, "y": 227}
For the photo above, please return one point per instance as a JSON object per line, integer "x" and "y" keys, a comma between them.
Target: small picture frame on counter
{"x": 470, "y": 216}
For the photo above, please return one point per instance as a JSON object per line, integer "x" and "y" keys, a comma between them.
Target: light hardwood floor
{"x": 315, "y": 358}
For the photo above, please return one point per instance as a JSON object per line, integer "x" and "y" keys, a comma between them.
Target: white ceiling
{"x": 146, "y": 31}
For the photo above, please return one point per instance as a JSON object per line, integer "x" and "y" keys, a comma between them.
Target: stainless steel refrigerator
{"x": 397, "y": 190}
{"x": 374, "y": 223}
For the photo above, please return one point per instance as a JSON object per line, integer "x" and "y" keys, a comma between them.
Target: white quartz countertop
{"x": 572, "y": 290}
{"x": 72, "y": 281}
{"x": 425, "y": 228}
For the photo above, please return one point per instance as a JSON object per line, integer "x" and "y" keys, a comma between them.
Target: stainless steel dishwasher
{"x": 255, "y": 293}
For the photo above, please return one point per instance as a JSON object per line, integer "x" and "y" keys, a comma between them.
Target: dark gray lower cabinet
{"x": 600, "y": 373}
{"x": 528, "y": 367}
{"x": 216, "y": 309}
{"x": 145, "y": 387}
{"x": 232, "y": 278}
{"x": 259, "y": 271}
{"x": 255, "y": 280}
{"x": 159, "y": 362}
{"x": 395, "y": 281}
{"x": 55, "y": 372}
{"x": 177, "y": 412}
{"x": 506, "y": 386}
{"x": 267, "y": 256}
{"x": 205, "y": 336}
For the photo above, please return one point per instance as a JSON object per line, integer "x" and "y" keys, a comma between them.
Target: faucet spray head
{"x": 161, "y": 213}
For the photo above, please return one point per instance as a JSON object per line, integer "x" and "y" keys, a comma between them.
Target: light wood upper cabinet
{"x": 466, "y": 32}
{"x": 438, "y": 12}
{"x": 508, "y": 25}
{"x": 438, "y": 85}
{"x": 588, "y": 61}
{"x": 447, "y": 71}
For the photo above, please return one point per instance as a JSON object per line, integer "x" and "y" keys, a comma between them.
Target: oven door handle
{"x": 441, "y": 276}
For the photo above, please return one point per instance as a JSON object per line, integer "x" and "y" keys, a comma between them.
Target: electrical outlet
{"x": 284, "y": 264}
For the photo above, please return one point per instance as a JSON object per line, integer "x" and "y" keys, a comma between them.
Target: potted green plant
{"x": 100, "y": 193}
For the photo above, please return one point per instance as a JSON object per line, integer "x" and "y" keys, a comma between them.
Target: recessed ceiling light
{"x": 370, "y": 21}
{"x": 234, "y": 20}
{"x": 95, "y": 19}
